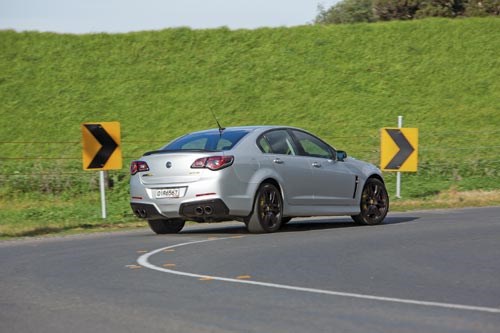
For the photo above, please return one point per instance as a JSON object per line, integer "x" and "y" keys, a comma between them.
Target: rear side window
{"x": 277, "y": 142}
{"x": 208, "y": 141}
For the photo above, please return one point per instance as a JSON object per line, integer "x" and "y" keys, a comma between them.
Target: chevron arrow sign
{"x": 101, "y": 146}
{"x": 399, "y": 149}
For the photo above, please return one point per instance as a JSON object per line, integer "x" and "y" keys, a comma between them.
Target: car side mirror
{"x": 341, "y": 155}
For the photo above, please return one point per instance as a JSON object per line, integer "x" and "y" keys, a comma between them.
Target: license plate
{"x": 167, "y": 193}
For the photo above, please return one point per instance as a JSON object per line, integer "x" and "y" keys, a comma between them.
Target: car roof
{"x": 245, "y": 128}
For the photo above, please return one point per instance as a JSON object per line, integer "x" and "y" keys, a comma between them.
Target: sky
{"x": 88, "y": 16}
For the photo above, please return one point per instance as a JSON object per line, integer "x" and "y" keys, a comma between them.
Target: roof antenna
{"x": 221, "y": 129}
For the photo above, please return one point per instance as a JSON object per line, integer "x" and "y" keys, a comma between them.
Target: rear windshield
{"x": 211, "y": 141}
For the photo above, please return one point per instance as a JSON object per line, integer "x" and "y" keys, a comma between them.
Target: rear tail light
{"x": 138, "y": 166}
{"x": 213, "y": 162}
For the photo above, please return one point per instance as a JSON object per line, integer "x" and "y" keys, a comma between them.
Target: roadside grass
{"x": 449, "y": 199}
{"x": 26, "y": 216}
{"x": 52, "y": 216}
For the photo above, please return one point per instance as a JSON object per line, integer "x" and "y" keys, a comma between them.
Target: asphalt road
{"x": 434, "y": 271}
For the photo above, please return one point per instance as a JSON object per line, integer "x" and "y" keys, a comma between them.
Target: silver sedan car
{"x": 260, "y": 175}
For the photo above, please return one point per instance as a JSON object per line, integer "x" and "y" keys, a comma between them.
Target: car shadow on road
{"x": 300, "y": 225}
{"x": 323, "y": 224}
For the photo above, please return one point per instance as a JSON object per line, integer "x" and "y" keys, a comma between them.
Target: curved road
{"x": 429, "y": 271}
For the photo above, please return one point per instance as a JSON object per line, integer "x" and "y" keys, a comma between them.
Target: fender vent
{"x": 355, "y": 187}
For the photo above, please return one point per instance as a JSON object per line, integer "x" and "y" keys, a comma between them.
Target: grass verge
{"x": 449, "y": 199}
{"x": 20, "y": 218}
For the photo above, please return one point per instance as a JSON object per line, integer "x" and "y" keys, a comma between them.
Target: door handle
{"x": 316, "y": 165}
{"x": 278, "y": 161}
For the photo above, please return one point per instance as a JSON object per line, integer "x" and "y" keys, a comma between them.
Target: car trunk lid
{"x": 172, "y": 167}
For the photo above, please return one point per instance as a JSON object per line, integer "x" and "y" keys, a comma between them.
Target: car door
{"x": 333, "y": 181}
{"x": 294, "y": 170}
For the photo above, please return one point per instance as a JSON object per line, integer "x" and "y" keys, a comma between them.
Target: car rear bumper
{"x": 200, "y": 211}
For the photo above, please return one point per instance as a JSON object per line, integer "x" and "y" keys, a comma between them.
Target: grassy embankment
{"x": 342, "y": 82}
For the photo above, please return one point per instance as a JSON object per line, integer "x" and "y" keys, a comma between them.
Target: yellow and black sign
{"x": 101, "y": 146}
{"x": 399, "y": 149}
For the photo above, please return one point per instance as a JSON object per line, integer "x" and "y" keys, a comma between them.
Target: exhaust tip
{"x": 208, "y": 210}
{"x": 141, "y": 213}
{"x": 198, "y": 210}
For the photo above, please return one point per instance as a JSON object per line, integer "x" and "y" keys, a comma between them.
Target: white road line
{"x": 143, "y": 261}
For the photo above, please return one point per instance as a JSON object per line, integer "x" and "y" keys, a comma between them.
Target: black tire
{"x": 374, "y": 203}
{"x": 267, "y": 211}
{"x": 285, "y": 220}
{"x": 171, "y": 226}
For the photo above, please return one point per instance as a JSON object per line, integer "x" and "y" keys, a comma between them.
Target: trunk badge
{"x": 169, "y": 165}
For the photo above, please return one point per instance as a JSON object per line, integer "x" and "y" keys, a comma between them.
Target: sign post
{"x": 399, "y": 151}
{"x": 101, "y": 151}
{"x": 103, "y": 194}
{"x": 398, "y": 174}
